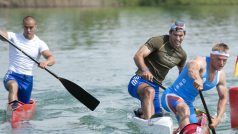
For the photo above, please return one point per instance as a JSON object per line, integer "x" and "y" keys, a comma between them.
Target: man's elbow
{"x": 223, "y": 98}
{"x": 137, "y": 57}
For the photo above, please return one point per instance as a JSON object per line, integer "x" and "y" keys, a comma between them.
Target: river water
{"x": 95, "y": 47}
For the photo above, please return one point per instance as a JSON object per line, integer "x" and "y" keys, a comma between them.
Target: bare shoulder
{"x": 199, "y": 60}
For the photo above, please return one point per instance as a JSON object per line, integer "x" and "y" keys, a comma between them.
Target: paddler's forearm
{"x": 50, "y": 60}
{"x": 221, "y": 108}
{"x": 139, "y": 61}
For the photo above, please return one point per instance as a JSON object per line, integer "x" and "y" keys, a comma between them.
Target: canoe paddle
{"x": 159, "y": 84}
{"x": 206, "y": 109}
{"x": 203, "y": 102}
{"x": 78, "y": 92}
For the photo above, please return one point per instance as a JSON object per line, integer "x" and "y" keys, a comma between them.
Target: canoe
{"x": 24, "y": 112}
{"x": 164, "y": 125}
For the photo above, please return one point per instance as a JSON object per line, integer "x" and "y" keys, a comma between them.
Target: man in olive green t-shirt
{"x": 154, "y": 59}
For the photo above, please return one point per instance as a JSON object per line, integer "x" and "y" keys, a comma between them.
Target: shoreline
{"x": 107, "y": 3}
{"x": 57, "y": 3}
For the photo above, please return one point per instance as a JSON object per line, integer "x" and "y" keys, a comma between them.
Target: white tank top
{"x": 19, "y": 62}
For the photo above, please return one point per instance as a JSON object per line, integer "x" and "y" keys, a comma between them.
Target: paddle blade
{"x": 236, "y": 68}
{"x": 79, "y": 93}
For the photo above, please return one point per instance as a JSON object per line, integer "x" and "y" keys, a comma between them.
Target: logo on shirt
{"x": 180, "y": 84}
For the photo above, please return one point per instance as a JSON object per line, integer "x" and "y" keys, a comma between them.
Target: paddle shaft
{"x": 206, "y": 109}
{"x": 159, "y": 84}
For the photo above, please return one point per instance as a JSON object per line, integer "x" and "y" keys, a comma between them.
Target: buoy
{"x": 233, "y": 95}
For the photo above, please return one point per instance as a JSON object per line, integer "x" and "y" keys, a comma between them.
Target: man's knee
{"x": 12, "y": 85}
{"x": 182, "y": 109}
{"x": 146, "y": 91}
{"x": 149, "y": 91}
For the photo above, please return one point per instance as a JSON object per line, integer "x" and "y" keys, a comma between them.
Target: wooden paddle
{"x": 206, "y": 109}
{"x": 77, "y": 91}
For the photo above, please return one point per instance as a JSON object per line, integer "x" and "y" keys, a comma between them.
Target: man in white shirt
{"x": 19, "y": 78}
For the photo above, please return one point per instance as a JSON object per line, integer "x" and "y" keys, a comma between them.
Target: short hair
{"x": 26, "y": 18}
{"x": 221, "y": 47}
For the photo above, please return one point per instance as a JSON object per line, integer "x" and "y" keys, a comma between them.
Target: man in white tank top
{"x": 19, "y": 78}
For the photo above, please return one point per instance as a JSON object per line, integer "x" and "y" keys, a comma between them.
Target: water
{"x": 95, "y": 47}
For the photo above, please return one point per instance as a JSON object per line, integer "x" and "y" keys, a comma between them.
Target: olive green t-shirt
{"x": 163, "y": 57}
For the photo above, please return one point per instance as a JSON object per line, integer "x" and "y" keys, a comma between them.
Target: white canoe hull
{"x": 158, "y": 125}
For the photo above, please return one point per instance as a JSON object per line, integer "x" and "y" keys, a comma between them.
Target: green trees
{"x": 177, "y": 2}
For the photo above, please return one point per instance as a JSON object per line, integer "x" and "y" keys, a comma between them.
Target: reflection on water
{"x": 94, "y": 48}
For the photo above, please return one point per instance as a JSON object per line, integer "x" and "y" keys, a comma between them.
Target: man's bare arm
{"x": 140, "y": 62}
{"x": 223, "y": 96}
{"x": 139, "y": 57}
{"x": 195, "y": 70}
{"x": 50, "y": 60}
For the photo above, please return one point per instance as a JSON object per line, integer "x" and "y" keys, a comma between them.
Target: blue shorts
{"x": 133, "y": 85}
{"x": 170, "y": 101}
{"x": 25, "y": 84}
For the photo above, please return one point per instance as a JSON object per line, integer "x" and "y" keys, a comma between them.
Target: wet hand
{"x": 43, "y": 65}
{"x": 147, "y": 75}
{"x": 215, "y": 123}
{"x": 198, "y": 84}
